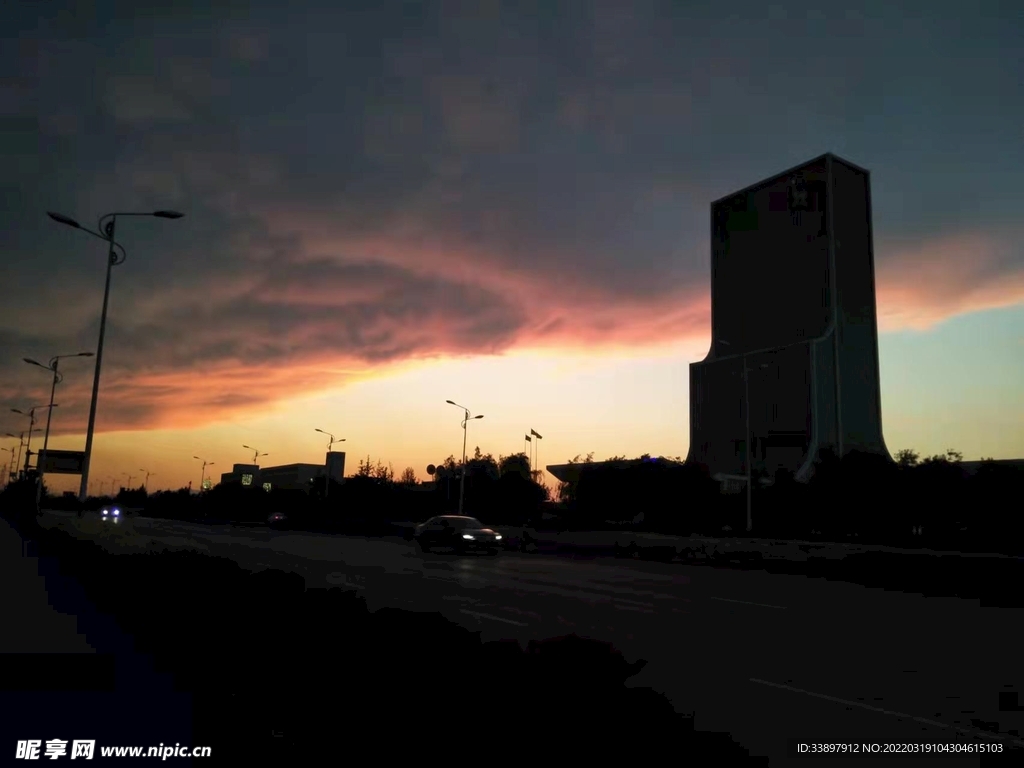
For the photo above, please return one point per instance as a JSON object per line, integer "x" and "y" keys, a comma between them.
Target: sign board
{"x": 63, "y": 462}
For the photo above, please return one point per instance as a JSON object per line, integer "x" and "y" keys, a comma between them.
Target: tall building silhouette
{"x": 793, "y": 318}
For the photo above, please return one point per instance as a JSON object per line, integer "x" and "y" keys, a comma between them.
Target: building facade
{"x": 287, "y": 476}
{"x": 242, "y": 474}
{"x": 793, "y": 364}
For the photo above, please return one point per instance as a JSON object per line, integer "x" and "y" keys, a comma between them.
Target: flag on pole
{"x": 533, "y": 462}
{"x": 527, "y": 437}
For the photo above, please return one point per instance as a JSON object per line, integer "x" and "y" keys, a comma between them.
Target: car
{"x": 111, "y": 515}
{"x": 458, "y": 533}
{"x": 277, "y": 520}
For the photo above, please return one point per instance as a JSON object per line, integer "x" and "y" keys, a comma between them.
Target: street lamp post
{"x": 465, "y": 421}
{"x": 327, "y": 479}
{"x": 57, "y": 379}
{"x": 148, "y": 475}
{"x": 129, "y": 480}
{"x": 746, "y": 437}
{"x": 7, "y": 465}
{"x": 256, "y": 454}
{"x": 16, "y": 454}
{"x": 536, "y": 453}
{"x": 202, "y": 474}
{"x": 746, "y": 411}
{"x": 31, "y": 426}
{"x": 21, "y": 442}
{"x": 746, "y": 440}
{"x": 113, "y": 260}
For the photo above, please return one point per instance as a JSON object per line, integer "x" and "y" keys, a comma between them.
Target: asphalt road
{"x": 764, "y": 657}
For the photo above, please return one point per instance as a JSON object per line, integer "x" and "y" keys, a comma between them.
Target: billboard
{"x": 63, "y": 462}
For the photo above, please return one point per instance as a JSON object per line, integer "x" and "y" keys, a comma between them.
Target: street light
{"x": 746, "y": 439}
{"x": 148, "y": 475}
{"x": 7, "y": 465}
{"x": 17, "y": 454}
{"x": 112, "y": 260}
{"x": 31, "y": 425}
{"x": 57, "y": 379}
{"x": 256, "y": 453}
{"x": 125, "y": 474}
{"x": 465, "y": 421}
{"x": 327, "y": 479}
{"x": 536, "y": 453}
{"x": 202, "y": 474}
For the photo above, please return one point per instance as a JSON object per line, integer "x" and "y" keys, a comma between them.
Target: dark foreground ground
{"x": 260, "y": 668}
{"x": 277, "y": 661}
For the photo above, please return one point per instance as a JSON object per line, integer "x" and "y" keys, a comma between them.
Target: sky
{"x": 390, "y": 205}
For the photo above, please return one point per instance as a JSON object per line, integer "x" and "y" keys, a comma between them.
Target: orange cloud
{"x": 295, "y": 285}
{"x": 923, "y": 283}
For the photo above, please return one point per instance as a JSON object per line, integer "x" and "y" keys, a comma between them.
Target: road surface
{"x": 764, "y": 657}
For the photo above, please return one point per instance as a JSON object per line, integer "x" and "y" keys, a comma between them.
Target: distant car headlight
{"x": 467, "y": 536}
{"x": 116, "y": 512}
{"x": 105, "y": 513}
{"x": 498, "y": 536}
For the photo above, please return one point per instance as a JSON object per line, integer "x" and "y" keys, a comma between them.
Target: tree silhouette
{"x": 907, "y": 457}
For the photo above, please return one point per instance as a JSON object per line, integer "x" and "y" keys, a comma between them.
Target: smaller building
{"x": 571, "y": 473}
{"x": 300, "y": 477}
{"x": 242, "y": 474}
{"x": 295, "y": 477}
{"x": 335, "y": 463}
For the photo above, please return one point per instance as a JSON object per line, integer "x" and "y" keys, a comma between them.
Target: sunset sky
{"x": 506, "y": 205}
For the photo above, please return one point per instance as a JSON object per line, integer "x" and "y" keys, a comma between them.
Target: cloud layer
{"x": 371, "y": 188}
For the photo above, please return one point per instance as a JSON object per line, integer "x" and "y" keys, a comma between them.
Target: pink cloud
{"x": 304, "y": 284}
{"x": 923, "y": 283}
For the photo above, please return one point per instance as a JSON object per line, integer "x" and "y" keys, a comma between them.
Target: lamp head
{"x": 59, "y": 217}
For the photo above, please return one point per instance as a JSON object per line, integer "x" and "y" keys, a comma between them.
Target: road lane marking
{"x": 479, "y": 615}
{"x": 746, "y": 602}
{"x": 925, "y": 720}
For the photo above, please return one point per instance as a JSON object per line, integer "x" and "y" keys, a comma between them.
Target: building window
{"x": 247, "y": 479}
{"x": 266, "y": 486}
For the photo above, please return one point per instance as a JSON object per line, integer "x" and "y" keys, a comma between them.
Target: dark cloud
{"x": 385, "y": 181}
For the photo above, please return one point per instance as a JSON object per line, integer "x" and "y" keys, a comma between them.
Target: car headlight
{"x": 116, "y": 512}
{"x": 105, "y": 513}
{"x": 467, "y": 536}
{"x": 497, "y": 537}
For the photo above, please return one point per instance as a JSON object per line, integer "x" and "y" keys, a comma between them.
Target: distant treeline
{"x": 933, "y": 502}
{"x": 909, "y": 502}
